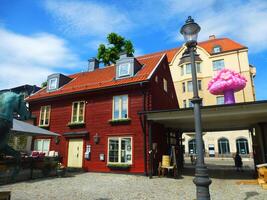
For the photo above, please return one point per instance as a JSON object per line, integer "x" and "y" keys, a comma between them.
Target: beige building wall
{"x": 236, "y": 60}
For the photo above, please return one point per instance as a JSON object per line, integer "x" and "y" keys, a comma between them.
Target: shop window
{"x": 120, "y": 150}
{"x": 42, "y": 145}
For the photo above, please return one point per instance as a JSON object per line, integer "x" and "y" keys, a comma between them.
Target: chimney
{"x": 212, "y": 37}
{"x": 93, "y": 64}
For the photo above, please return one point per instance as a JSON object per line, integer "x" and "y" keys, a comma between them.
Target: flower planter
{"x": 61, "y": 172}
{"x": 119, "y": 166}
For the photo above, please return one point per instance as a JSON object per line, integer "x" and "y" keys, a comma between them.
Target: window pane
{"x": 183, "y": 85}
{"x": 126, "y": 150}
{"x": 198, "y": 67}
{"x": 182, "y": 70}
{"x": 188, "y": 68}
{"x": 124, "y": 106}
{"x": 38, "y": 145}
{"x": 113, "y": 150}
{"x": 124, "y": 69}
{"x": 46, "y": 144}
{"x": 53, "y": 83}
{"x": 47, "y": 117}
{"x": 116, "y": 108}
{"x": 218, "y": 65}
{"x": 74, "y": 114}
{"x": 189, "y": 86}
{"x": 220, "y": 100}
{"x": 81, "y": 111}
{"x": 199, "y": 84}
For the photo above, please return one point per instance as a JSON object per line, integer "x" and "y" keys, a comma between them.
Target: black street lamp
{"x": 202, "y": 181}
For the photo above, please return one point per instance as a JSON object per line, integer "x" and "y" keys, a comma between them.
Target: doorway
{"x": 75, "y": 153}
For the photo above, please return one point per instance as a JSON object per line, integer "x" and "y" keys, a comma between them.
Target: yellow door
{"x": 75, "y": 153}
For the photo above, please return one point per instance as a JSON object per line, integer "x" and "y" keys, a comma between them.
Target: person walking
{"x": 238, "y": 162}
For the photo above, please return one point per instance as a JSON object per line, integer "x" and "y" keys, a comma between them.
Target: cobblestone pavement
{"x": 102, "y": 186}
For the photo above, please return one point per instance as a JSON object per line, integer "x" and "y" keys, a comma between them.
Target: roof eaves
{"x": 152, "y": 72}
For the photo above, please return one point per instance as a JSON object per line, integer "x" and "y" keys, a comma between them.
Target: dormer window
{"x": 217, "y": 49}
{"x": 124, "y": 69}
{"x": 52, "y": 85}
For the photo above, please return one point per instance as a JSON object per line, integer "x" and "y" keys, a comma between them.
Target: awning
{"x": 23, "y": 128}
{"x": 76, "y": 134}
{"x": 214, "y": 118}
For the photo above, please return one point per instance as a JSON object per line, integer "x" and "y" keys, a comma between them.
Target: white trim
{"x": 44, "y": 116}
{"x": 119, "y": 138}
{"x": 77, "y": 112}
{"x": 151, "y": 73}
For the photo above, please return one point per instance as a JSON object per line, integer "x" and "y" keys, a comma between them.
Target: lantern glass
{"x": 190, "y": 30}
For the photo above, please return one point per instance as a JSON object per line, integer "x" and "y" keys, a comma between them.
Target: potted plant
{"x": 61, "y": 170}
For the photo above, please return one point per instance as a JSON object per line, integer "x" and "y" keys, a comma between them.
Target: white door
{"x": 75, "y": 153}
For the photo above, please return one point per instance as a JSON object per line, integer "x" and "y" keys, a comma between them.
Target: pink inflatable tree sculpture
{"x": 227, "y": 82}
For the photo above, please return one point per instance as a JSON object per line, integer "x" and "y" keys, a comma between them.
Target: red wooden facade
{"x": 146, "y": 94}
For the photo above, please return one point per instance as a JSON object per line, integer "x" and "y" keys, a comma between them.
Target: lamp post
{"x": 202, "y": 181}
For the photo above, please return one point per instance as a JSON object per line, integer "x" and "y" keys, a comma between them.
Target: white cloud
{"x": 88, "y": 18}
{"x": 29, "y": 59}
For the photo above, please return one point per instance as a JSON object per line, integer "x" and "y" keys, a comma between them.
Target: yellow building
{"x": 213, "y": 55}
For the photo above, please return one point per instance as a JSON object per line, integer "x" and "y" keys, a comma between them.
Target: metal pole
{"x": 201, "y": 179}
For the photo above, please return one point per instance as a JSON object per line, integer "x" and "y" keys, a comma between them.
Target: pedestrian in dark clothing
{"x": 238, "y": 162}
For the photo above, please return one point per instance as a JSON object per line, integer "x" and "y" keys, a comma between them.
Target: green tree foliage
{"x": 116, "y": 44}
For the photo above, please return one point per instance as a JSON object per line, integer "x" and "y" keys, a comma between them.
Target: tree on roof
{"x": 116, "y": 45}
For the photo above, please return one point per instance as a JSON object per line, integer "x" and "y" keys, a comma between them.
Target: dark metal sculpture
{"x": 11, "y": 104}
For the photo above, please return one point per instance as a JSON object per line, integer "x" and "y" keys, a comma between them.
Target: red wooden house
{"x": 96, "y": 113}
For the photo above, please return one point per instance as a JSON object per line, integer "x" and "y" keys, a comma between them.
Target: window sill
{"x": 119, "y": 166}
{"x": 119, "y": 121}
{"x": 76, "y": 124}
{"x": 44, "y": 126}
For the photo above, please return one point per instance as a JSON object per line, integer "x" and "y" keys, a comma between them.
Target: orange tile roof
{"x": 102, "y": 78}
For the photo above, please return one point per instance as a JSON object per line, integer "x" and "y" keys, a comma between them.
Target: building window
{"x": 198, "y": 66}
{"x": 188, "y": 68}
{"x": 165, "y": 85}
{"x": 120, "y": 150}
{"x": 78, "y": 109}
{"x": 42, "y": 145}
{"x": 218, "y": 65}
{"x": 183, "y": 87}
{"x": 220, "y": 100}
{"x": 189, "y": 86}
{"x": 184, "y": 103}
{"x": 124, "y": 69}
{"x": 52, "y": 84}
{"x": 217, "y": 49}
{"x": 242, "y": 146}
{"x": 223, "y": 145}
{"x": 120, "y": 107}
{"x": 191, "y": 105}
{"x": 199, "y": 83}
{"x": 182, "y": 70}
{"x": 44, "y": 116}
{"x": 192, "y": 146}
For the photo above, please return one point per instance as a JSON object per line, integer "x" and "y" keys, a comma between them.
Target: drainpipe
{"x": 144, "y": 121}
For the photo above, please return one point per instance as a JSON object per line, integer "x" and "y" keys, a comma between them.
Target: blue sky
{"x": 38, "y": 38}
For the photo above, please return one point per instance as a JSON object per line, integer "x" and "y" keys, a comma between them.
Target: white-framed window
{"x": 218, "y": 64}
{"x": 42, "y": 145}
{"x": 184, "y": 104}
{"x": 189, "y": 68}
{"x": 216, "y": 49}
{"x": 220, "y": 100}
{"x": 120, "y": 107}
{"x": 124, "y": 69}
{"x": 120, "y": 150}
{"x": 52, "y": 84}
{"x": 44, "y": 115}
{"x": 165, "y": 85}
{"x": 78, "y": 110}
{"x": 198, "y": 66}
{"x": 182, "y": 70}
{"x": 189, "y": 86}
{"x": 191, "y": 105}
{"x": 183, "y": 87}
